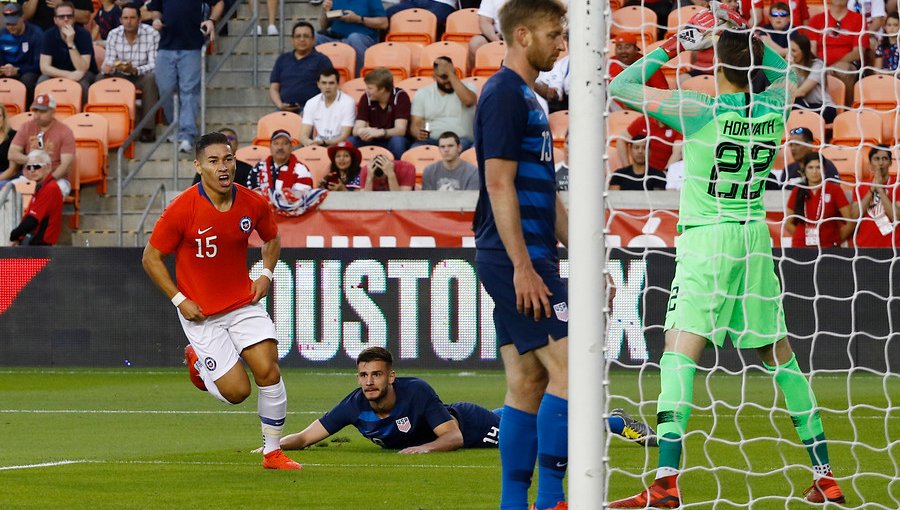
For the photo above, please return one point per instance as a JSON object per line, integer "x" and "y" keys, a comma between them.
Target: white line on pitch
{"x": 135, "y": 411}
{"x": 45, "y": 464}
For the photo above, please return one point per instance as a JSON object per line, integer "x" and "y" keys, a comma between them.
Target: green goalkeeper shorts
{"x": 725, "y": 282}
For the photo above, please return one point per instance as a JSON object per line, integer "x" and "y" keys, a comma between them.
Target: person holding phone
{"x": 344, "y": 174}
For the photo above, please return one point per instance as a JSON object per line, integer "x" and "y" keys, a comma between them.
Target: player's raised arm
{"x": 449, "y": 438}
{"x": 309, "y": 436}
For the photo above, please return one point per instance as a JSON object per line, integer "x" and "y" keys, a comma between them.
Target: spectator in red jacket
{"x": 839, "y": 37}
{"x": 877, "y": 200}
{"x": 42, "y": 221}
{"x": 662, "y": 141}
{"x": 820, "y": 209}
{"x": 627, "y": 53}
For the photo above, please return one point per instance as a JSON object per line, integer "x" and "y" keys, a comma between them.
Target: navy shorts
{"x": 480, "y": 427}
{"x": 519, "y": 329}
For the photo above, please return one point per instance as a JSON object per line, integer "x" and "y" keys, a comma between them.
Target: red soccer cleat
{"x": 662, "y": 493}
{"x": 193, "y": 364}
{"x": 824, "y": 490}
{"x": 276, "y": 459}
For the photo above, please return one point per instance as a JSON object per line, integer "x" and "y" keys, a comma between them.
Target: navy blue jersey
{"x": 417, "y": 412}
{"x": 510, "y": 124}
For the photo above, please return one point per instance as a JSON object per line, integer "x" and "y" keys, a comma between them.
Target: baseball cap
{"x": 627, "y": 37}
{"x": 43, "y": 102}
{"x": 12, "y": 12}
{"x": 280, "y": 133}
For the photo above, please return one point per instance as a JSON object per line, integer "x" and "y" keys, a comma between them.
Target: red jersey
{"x": 657, "y": 80}
{"x": 46, "y": 207}
{"x": 211, "y": 246}
{"x": 835, "y": 38}
{"x": 875, "y": 229}
{"x": 661, "y": 137}
{"x": 823, "y": 220}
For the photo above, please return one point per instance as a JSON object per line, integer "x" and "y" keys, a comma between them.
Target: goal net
{"x": 828, "y": 187}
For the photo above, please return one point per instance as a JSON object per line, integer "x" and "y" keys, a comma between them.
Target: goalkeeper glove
{"x": 726, "y": 15}
{"x": 696, "y": 35}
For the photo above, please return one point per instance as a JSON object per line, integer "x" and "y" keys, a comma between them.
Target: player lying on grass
{"x": 406, "y": 414}
{"x": 725, "y": 277}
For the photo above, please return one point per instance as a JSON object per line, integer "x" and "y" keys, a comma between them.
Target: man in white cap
{"x": 46, "y": 133}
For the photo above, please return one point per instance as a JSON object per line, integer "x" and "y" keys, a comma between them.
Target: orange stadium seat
{"x": 559, "y": 126}
{"x": 618, "y": 122}
{"x": 91, "y": 147}
{"x": 855, "y": 127}
{"x": 114, "y": 99}
{"x": 462, "y": 25}
{"x": 343, "y": 58}
{"x": 395, "y": 56}
{"x": 469, "y": 156}
{"x": 412, "y": 85}
{"x": 16, "y": 121}
{"x": 679, "y": 18}
{"x": 477, "y": 81}
{"x": 251, "y": 154}
{"x": 12, "y": 95}
{"x": 269, "y": 123}
{"x": 837, "y": 90}
{"x": 457, "y": 53}
{"x": 852, "y": 164}
{"x": 634, "y": 19}
{"x": 810, "y": 120}
{"x": 878, "y": 91}
{"x": 489, "y": 58}
{"x": 421, "y": 157}
{"x": 355, "y": 88}
{"x": 413, "y": 25}
{"x": 66, "y": 92}
{"x": 370, "y": 151}
{"x": 315, "y": 157}
{"x": 704, "y": 83}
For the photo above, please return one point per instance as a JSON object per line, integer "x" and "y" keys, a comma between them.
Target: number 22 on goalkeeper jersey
{"x": 730, "y": 140}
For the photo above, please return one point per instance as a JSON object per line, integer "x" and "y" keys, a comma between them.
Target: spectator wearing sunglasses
{"x": 775, "y": 32}
{"x": 44, "y": 132}
{"x": 41, "y": 12}
{"x": 42, "y": 221}
{"x": 67, "y": 51}
{"x": 801, "y": 143}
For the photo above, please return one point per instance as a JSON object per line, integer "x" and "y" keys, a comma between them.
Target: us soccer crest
{"x": 246, "y": 224}
{"x": 562, "y": 311}
{"x": 403, "y": 424}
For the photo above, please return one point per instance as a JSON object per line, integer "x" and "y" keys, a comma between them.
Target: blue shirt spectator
{"x": 357, "y": 24}
{"x": 20, "y": 47}
{"x": 294, "y": 79}
{"x": 54, "y": 46}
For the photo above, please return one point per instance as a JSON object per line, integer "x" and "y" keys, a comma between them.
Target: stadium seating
{"x": 12, "y": 95}
{"x": 559, "y": 126}
{"x": 455, "y": 51}
{"x": 66, "y": 92}
{"x": 114, "y": 99}
{"x": 469, "y": 156}
{"x": 878, "y": 91}
{"x": 413, "y": 25}
{"x": 462, "y": 25}
{"x": 91, "y": 148}
{"x": 679, "y": 18}
{"x": 315, "y": 157}
{"x": 395, "y": 56}
{"x": 369, "y": 152}
{"x": 634, "y": 19}
{"x": 421, "y": 157}
{"x": 852, "y": 164}
{"x": 617, "y": 123}
{"x": 836, "y": 89}
{"x": 703, "y": 83}
{"x": 411, "y": 85}
{"x": 810, "y": 120}
{"x": 343, "y": 58}
{"x": 477, "y": 81}
{"x": 489, "y": 58}
{"x": 251, "y": 154}
{"x": 267, "y": 125}
{"x": 16, "y": 121}
{"x": 854, "y": 127}
{"x": 355, "y": 88}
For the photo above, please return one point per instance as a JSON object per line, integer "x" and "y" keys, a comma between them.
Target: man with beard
{"x": 446, "y": 105}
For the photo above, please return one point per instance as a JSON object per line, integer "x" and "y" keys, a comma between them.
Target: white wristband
{"x": 179, "y": 298}
{"x": 267, "y": 273}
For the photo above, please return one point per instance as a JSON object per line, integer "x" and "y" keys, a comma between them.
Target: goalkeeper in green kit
{"x": 725, "y": 278}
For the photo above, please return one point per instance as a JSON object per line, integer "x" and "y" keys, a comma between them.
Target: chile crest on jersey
{"x": 246, "y": 224}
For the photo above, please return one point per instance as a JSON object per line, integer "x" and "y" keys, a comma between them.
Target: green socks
{"x": 801, "y": 404}
{"x": 674, "y": 407}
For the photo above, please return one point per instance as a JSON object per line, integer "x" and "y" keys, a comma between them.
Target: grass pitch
{"x": 148, "y": 439}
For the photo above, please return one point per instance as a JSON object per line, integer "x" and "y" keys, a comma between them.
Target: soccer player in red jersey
{"x": 208, "y": 228}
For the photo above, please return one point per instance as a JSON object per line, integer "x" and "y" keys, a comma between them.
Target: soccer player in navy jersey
{"x": 401, "y": 413}
{"x": 518, "y": 220}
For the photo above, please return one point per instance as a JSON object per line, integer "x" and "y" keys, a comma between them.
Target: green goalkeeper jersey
{"x": 730, "y": 141}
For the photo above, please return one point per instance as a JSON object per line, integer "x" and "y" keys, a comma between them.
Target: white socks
{"x": 664, "y": 471}
{"x": 821, "y": 470}
{"x": 272, "y": 408}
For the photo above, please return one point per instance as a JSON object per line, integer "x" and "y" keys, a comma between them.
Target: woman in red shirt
{"x": 819, "y": 209}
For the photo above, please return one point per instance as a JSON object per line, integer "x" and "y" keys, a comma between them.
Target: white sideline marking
{"x": 134, "y": 411}
{"x": 201, "y": 463}
{"x": 44, "y": 464}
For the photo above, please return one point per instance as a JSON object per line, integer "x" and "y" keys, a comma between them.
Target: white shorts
{"x": 219, "y": 340}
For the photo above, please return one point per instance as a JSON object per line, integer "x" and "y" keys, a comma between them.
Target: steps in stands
{"x": 232, "y": 101}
